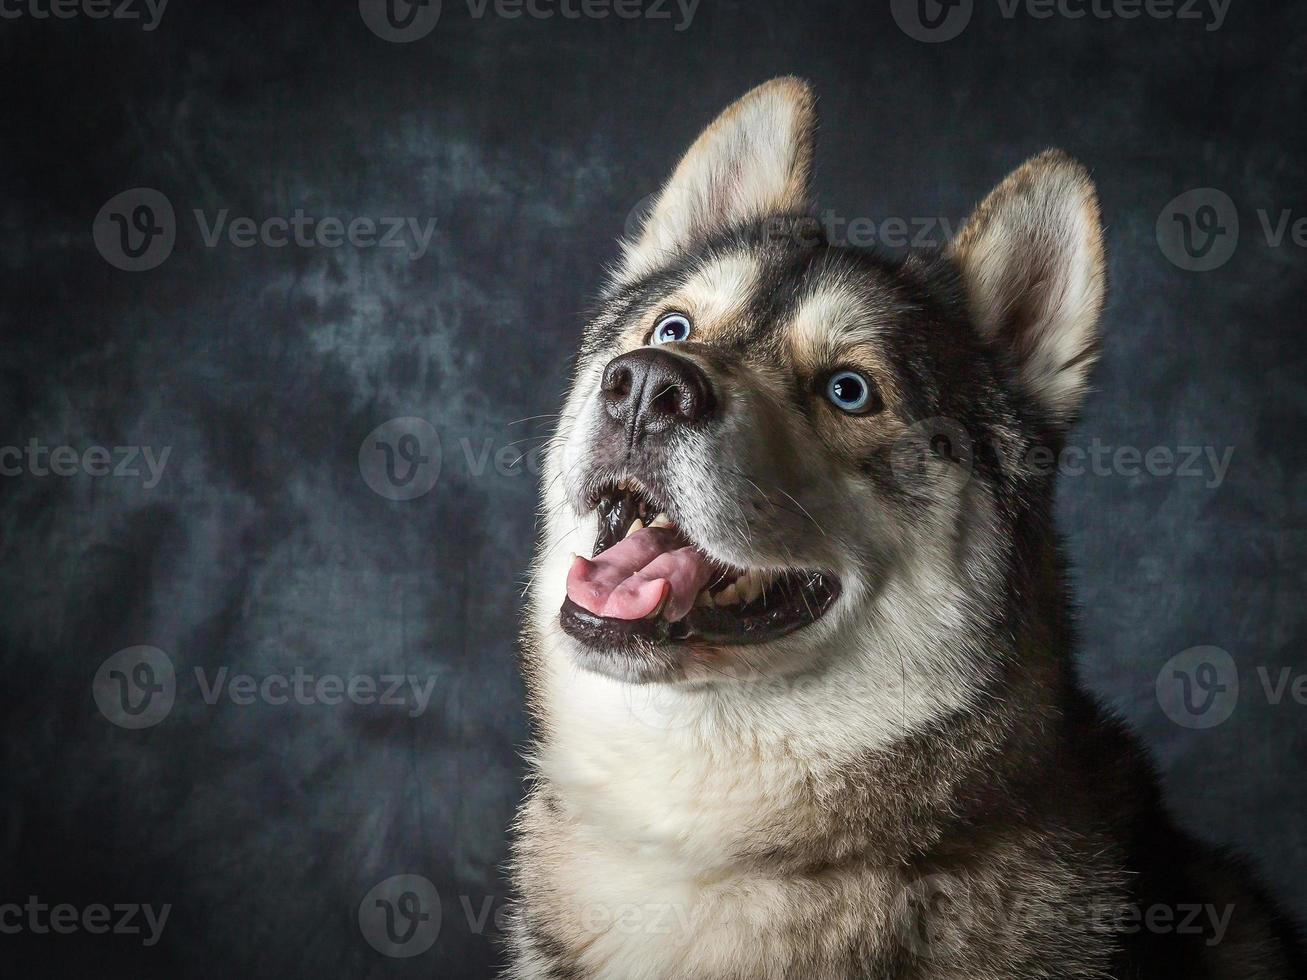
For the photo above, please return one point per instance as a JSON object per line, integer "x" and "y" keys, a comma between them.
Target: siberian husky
{"x": 799, "y": 646}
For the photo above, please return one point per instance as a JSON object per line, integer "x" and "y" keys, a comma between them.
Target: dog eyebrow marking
{"x": 720, "y": 290}
{"x": 830, "y": 321}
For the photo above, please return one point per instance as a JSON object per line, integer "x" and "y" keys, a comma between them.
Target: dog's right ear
{"x": 1032, "y": 261}
{"x": 754, "y": 161}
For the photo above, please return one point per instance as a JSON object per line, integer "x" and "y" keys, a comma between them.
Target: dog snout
{"x": 651, "y": 390}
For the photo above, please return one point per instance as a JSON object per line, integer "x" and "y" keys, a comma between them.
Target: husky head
{"x": 781, "y": 457}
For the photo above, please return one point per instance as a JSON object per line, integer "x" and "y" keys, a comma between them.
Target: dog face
{"x": 778, "y": 452}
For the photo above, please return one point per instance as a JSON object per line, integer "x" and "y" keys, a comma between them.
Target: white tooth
{"x": 636, "y": 525}
{"x": 750, "y": 586}
{"x": 728, "y": 596}
{"x": 662, "y": 520}
{"x": 741, "y": 586}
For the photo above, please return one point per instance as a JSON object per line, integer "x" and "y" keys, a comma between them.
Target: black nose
{"x": 651, "y": 390}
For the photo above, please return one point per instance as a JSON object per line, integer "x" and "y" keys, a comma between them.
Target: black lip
{"x": 707, "y": 626}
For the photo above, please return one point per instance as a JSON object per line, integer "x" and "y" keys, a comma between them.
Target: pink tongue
{"x": 634, "y": 577}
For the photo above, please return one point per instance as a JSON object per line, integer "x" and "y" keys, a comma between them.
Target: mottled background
{"x": 261, "y": 547}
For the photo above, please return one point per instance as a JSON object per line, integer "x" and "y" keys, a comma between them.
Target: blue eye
{"x": 672, "y": 328}
{"x": 849, "y": 392}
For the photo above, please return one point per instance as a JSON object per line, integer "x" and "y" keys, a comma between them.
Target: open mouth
{"x": 648, "y": 582}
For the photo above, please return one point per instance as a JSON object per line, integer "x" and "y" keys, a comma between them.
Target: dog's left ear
{"x": 1032, "y": 260}
{"x": 754, "y": 161}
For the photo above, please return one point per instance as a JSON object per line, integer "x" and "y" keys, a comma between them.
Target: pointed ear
{"x": 754, "y": 161}
{"x": 1032, "y": 260}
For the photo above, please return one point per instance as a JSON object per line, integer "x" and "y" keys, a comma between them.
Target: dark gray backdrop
{"x": 262, "y": 549}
